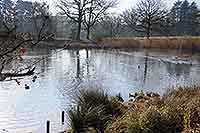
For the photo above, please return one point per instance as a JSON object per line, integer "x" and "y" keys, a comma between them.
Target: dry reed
{"x": 185, "y": 42}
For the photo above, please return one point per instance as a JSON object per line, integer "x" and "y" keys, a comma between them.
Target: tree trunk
{"x": 148, "y": 33}
{"x": 148, "y": 30}
{"x": 88, "y": 33}
{"x": 79, "y": 31}
{"x": 145, "y": 68}
{"x": 78, "y": 65}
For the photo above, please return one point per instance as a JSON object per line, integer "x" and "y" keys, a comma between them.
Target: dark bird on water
{"x": 27, "y": 87}
{"x": 34, "y": 78}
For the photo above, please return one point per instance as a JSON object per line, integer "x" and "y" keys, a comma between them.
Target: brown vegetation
{"x": 178, "y": 110}
{"x": 185, "y": 42}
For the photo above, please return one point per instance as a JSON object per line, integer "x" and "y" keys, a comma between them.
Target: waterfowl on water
{"x": 27, "y": 87}
{"x": 34, "y": 78}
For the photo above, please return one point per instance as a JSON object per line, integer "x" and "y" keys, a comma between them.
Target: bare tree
{"x": 75, "y": 10}
{"x": 150, "y": 14}
{"x": 40, "y": 18}
{"x": 13, "y": 44}
{"x": 129, "y": 17}
{"x": 7, "y": 15}
{"x": 109, "y": 26}
{"x": 94, "y": 11}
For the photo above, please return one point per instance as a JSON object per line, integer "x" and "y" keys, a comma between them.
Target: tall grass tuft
{"x": 81, "y": 119}
{"x": 93, "y": 109}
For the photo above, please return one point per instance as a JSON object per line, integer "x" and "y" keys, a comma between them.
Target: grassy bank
{"x": 185, "y": 42}
{"x": 178, "y": 110}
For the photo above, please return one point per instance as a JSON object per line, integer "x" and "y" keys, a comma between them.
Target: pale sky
{"x": 123, "y": 4}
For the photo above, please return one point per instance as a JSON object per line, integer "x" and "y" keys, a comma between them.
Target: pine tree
{"x": 184, "y": 18}
{"x": 193, "y": 19}
{"x": 175, "y": 16}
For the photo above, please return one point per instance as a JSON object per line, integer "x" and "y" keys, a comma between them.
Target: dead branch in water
{"x": 3, "y": 76}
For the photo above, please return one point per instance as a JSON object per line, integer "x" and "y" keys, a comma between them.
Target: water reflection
{"x": 77, "y": 65}
{"x": 178, "y": 69}
{"x": 62, "y": 74}
{"x": 145, "y": 68}
{"x": 87, "y": 62}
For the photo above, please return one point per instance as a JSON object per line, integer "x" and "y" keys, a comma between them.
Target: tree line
{"x": 93, "y": 17}
{"x": 152, "y": 18}
{"x": 24, "y": 16}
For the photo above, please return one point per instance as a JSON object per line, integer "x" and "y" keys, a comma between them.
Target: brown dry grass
{"x": 177, "y": 111}
{"x": 184, "y": 42}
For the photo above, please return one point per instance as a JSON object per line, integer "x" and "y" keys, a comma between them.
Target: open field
{"x": 185, "y": 42}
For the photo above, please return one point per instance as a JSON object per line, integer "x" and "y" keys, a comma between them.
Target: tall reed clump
{"x": 93, "y": 109}
{"x": 177, "y": 43}
{"x": 177, "y": 111}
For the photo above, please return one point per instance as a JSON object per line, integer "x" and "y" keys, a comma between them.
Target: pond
{"x": 62, "y": 72}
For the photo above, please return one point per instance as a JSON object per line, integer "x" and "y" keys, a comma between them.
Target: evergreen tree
{"x": 193, "y": 19}
{"x": 175, "y": 17}
{"x": 184, "y": 18}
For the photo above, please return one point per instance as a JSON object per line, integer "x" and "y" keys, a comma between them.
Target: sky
{"x": 123, "y": 4}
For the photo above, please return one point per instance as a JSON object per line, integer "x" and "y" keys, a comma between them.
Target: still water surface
{"x": 62, "y": 73}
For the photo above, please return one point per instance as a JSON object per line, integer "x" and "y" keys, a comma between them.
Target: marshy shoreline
{"x": 178, "y": 110}
{"x": 183, "y": 42}
{"x": 189, "y": 43}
